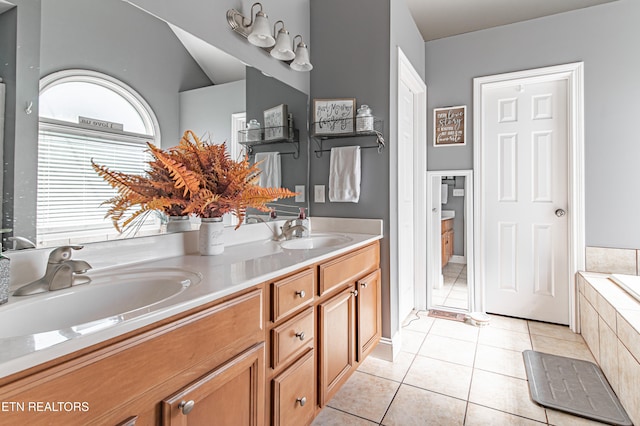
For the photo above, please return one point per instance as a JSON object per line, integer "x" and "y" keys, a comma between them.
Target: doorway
{"x": 410, "y": 181}
{"x": 528, "y": 159}
{"x": 450, "y": 260}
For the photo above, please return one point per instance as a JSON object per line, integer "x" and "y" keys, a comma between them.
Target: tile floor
{"x": 451, "y": 373}
{"x": 454, "y": 293}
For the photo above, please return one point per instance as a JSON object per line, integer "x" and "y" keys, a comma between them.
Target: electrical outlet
{"x": 458, "y": 192}
{"x": 318, "y": 193}
{"x": 300, "y": 196}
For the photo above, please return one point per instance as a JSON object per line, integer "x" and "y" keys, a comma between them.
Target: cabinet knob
{"x": 187, "y": 406}
{"x": 302, "y": 401}
{"x": 363, "y": 284}
{"x": 301, "y": 293}
{"x": 300, "y": 335}
{"x": 355, "y": 293}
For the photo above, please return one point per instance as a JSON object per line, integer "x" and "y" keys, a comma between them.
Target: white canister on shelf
{"x": 364, "y": 119}
{"x": 253, "y": 131}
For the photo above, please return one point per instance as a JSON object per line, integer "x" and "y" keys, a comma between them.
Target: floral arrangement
{"x": 194, "y": 177}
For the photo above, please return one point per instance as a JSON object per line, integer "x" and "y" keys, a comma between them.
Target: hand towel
{"x": 444, "y": 190}
{"x": 344, "y": 174}
{"x": 269, "y": 163}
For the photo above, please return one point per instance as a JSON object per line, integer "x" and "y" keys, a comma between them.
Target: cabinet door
{"x": 337, "y": 342}
{"x": 232, "y": 394}
{"x": 369, "y": 318}
{"x": 294, "y": 393}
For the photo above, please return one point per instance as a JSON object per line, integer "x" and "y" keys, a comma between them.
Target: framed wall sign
{"x": 450, "y": 126}
{"x": 333, "y": 116}
{"x": 275, "y": 123}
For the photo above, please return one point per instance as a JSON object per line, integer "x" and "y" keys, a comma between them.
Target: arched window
{"x": 87, "y": 115}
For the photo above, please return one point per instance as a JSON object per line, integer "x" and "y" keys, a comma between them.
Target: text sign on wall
{"x": 449, "y": 126}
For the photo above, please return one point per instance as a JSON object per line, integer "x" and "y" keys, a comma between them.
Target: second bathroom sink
{"x": 315, "y": 241}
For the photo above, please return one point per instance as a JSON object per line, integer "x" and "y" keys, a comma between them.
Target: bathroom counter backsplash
{"x": 241, "y": 266}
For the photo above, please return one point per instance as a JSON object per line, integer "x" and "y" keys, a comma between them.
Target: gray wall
{"x": 207, "y": 20}
{"x": 265, "y": 92}
{"x": 605, "y": 38}
{"x": 207, "y": 110}
{"x": 98, "y": 35}
{"x": 115, "y": 38}
{"x": 357, "y": 58}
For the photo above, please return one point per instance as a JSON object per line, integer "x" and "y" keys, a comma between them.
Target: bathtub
{"x": 631, "y": 283}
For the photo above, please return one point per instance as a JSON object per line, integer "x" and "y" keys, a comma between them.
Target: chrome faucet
{"x": 62, "y": 272}
{"x": 292, "y": 228}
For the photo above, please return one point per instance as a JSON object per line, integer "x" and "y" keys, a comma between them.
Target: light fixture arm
{"x": 233, "y": 14}
{"x": 275, "y": 31}
{"x": 296, "y": 45}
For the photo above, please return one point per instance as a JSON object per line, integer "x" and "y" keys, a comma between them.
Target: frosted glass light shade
{"x": 261, "y": 32}
{"x": 282, "y": 49}
{"x": 301, "y": 61}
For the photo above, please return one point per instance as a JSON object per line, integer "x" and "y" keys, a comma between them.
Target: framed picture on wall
{"x": 333, "y": 116}
{"x": 275, "y": 123}
{"x": 450, "y": 126}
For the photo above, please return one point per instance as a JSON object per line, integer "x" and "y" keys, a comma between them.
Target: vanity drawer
{"x": 292, "y": 337}
{"x": 348, "y": 268}
{"x": 294, "y": 393}
{"x": 292, "y": 293}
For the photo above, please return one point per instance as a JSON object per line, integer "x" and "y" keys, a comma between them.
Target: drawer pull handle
{"x": 355, "y": 293}
{"x": 363, "y": 285}
{"x": 301, "y": 293}
{"x": 300, "y": 335}
{"x": 187, "y": 406}
{"x": 302, "y": 401}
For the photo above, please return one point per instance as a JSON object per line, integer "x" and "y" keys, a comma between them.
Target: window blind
{"x": 70, "y": 192}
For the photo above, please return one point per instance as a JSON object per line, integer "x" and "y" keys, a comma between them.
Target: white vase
{"x": 211, "y": 241}
{"x": 178, "y": 224}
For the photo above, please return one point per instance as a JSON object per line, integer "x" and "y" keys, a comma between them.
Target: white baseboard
{"x": 458, "y": 259}
{"x": 388, "y": 349}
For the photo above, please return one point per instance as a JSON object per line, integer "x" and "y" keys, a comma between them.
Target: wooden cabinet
{"x": 232, "y": 394}
{"x": 337, "y": 342}
{"x": 369, "y": 305}
{"x": 129, "y": 377}
{"x": 349, "y": 320}
{"x": 294, "y": 393}
{"x": 447, "y": 241}
{"x": 245, "y": 359}
{"x": 291, "y": 377}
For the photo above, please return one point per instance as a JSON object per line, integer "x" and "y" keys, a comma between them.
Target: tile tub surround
{"x": 613, "y": 260}
{"x": 422, "y": 388}
{"x": 610, "y": 324}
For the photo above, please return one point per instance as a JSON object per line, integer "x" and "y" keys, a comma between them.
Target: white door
{"x": 406, "y": 277}
{"x": 525, "y": 145}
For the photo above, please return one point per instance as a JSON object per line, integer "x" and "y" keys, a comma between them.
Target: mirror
{"x": 188, "y": 84}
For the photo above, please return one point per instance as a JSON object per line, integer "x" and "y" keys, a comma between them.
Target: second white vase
{"x": 211, "y": 241}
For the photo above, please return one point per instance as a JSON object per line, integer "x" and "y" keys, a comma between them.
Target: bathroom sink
{"x": 315, "y": 242}
{"x": 111, "y": 297}
{"x": 448, "y": 214}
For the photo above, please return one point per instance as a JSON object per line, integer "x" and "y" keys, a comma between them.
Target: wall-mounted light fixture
{"x": 282, "y": 50}
{"x": 258, "y": 32}
{"x": 301, "y": 61}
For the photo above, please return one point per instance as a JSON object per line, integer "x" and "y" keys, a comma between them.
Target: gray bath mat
{"x": 572, "y": 385}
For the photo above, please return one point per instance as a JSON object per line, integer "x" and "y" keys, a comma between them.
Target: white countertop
{"x": 238, "y": 268}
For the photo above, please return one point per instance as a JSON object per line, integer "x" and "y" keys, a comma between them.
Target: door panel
{"x": 526, "y": 175}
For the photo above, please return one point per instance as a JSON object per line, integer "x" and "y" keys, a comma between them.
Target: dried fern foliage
{"x": 195, "y": 177}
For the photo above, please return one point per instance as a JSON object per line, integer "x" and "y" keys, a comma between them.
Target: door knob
{"x": 560, "y": 212}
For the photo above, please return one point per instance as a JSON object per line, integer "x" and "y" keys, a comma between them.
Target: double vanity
{"x": 264, "y": 334}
